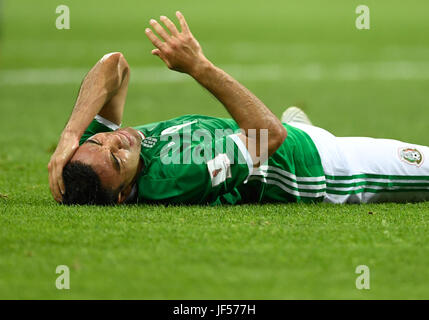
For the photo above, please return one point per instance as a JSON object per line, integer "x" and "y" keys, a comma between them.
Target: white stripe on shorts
{"x": 361, "y": 170}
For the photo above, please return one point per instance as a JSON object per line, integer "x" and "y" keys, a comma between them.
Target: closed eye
{"x": 116, "y": 163}
{"x": 93, "y": 141}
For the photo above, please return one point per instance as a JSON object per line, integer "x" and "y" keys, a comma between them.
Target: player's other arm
{"x": 182, "y": 52}
{"x": 103, "y": 91}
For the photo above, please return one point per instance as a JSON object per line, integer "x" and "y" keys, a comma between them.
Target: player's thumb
{"x": 156, "y": 52}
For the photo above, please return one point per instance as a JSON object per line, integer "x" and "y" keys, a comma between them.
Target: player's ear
{"x": 123, "y": 195}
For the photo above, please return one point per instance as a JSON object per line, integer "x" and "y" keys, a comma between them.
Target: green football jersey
{"x": 197, "y": 159}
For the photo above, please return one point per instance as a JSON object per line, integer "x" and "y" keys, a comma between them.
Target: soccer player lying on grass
{"x": 97, "y": 162}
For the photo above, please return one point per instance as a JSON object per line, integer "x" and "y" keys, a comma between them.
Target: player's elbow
{"x": 117, "y": 60}
{"x": 122, "y": 62}
{"x": 276, "y": 139}
{"x": 123, "y": 67}
{"x": 113, "y": 58}
{"x": 116, "y": 67}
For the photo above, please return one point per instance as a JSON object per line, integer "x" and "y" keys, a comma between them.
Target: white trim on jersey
{"x": 107, "y": 123}
{"x": 292, "y": 176}
{"x": 289, "y": 182}
{"x": 245, "y": 153}
{"x": 381, "y": 180}
{"x": 283, "y": 186}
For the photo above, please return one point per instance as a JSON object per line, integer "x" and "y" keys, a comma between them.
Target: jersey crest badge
{"x": 411, "y": 156}
{"x": 149, "y": 142}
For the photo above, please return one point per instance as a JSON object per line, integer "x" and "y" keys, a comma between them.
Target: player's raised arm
{"x": 103, "y": 92}
{"x": 181, "y": 52}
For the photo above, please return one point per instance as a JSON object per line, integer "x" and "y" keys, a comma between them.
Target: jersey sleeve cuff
{"x": 107, "y": 123}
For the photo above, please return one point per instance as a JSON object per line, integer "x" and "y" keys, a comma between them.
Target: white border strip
{"x": 288, "y": 190}
{"x": 387, "y": 188}
{"x": 380, "y": 180}
{"x": 243, "y": 151}
{"x": 107, "y": 123}
{"x": 291, "y": 175}
{"x": 290, "y": 183}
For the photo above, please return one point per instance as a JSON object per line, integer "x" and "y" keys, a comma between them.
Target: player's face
{"x": 114, "y": 156}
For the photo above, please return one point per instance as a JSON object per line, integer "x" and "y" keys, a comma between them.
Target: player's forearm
{"x": 182, "y": 52}
{"x": 98, "y": 87}
{"x": 247, "y": 110}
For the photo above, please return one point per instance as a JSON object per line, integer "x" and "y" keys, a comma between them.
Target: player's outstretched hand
{"x": 65, "y": 150}
{"x": 179, "y": 50}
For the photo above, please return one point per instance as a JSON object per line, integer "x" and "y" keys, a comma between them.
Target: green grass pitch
{"x": 307, "y": 53}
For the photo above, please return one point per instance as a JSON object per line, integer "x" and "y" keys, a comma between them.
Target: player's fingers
{"x": 55, "y": 190}
{"x": 153, "y": 38}
{"x": 170, "y": 25}
{"x": 61, "y": 185}
{"x": 183, "y": 23}
{"x": 51, "y": 179}
{"x": 160, "y": 30}
{"x": 157, "y": 52}
{"x": 56, "y": 183}
{"x": 59, "y": 194}
{"x": 51, "y": 186}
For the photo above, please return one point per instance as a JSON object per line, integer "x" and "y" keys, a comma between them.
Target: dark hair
{"x": 83, "y": 186}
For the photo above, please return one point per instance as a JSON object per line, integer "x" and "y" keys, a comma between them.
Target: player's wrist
{"x": 70, "y": 134}
{"x": 200, "y": 68}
